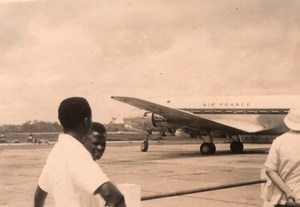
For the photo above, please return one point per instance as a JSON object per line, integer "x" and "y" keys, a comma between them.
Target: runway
{"x": 166, "y": 167}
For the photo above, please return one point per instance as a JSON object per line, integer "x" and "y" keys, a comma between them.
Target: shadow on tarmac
{"x": 174, "y": 155}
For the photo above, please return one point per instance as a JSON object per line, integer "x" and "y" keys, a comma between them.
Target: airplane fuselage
{"x": 271, "y": 118}
{"x": 251, "y": 115}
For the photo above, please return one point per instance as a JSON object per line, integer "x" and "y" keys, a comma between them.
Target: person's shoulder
{"x": 287, "y": 135}
{"x": 290, "y": 134}
{"x": 281, "y": 137}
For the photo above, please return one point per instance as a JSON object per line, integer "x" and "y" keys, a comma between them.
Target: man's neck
{"x": 77, "y": 135}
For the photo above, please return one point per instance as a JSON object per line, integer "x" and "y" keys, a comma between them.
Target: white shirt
{"x": 284, "y": 158}
{"x": 71, "y": 174}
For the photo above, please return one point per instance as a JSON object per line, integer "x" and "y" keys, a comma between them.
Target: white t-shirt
{"x": 71, "y": 174}
{"x": 284, "y": 158}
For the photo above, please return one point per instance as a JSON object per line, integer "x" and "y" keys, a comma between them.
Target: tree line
{"x": 45, "y": 126}
{"x": 31, "y": 126}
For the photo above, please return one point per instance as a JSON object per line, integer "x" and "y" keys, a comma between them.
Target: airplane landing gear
{"x": 207, "y": 148}
{"x": 144, "y": 146}
{"x": 236, "y": 147}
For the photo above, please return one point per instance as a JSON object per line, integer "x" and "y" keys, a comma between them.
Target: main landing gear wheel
{"x": 144, "y": 146}
{"x": 208, "y": 148}
{"x": 236, "y": 147}
{"x": 213, "y": 147}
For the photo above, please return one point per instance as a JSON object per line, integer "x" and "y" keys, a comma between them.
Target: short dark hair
{"x": 98, "y": 127}
{"x": 72, "y": 111}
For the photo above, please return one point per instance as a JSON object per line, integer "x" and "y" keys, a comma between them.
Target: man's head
{"x": 292, "y": 119}
{"x": 74, "y": 113}
{"x": 96, "y": 141}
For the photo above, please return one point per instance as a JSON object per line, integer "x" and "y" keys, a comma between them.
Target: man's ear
{"x": 87, "y": 125}
{"x": 86, "y": 121}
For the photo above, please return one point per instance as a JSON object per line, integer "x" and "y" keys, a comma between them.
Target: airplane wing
{"x": 234, "y": 124}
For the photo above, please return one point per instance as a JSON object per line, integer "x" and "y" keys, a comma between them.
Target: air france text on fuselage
{"x": 227, "y": 104}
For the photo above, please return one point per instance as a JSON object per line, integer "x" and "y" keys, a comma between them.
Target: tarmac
{"x": 168, "y": 166}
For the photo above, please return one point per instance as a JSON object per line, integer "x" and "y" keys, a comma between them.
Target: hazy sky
{"x": 50, "y": 50}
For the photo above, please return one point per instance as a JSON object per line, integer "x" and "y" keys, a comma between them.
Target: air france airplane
{"x": 148, "y": 122}
{"x": 231, "y": 116}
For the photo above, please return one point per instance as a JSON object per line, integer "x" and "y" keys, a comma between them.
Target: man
{"x": 70, "y": 173}
{"x": 283, "y": 165}
{"x": 30, "y": 138}
{"x": 96, "y": 142}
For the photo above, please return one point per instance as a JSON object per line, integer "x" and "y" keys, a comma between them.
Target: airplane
{"x": 145, "y": 123}
{"x": 150, "y": 123}
{"x": 231, "y": 116}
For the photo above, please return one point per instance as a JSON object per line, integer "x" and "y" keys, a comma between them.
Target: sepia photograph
{"x": 149, "y": 103}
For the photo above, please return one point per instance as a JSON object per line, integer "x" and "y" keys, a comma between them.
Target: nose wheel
{"x": 145, "y": 145}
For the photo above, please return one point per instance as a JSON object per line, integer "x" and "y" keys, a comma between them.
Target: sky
{"x": 51, "y": 50}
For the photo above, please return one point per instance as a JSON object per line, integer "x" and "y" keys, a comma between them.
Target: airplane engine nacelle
{"x": 182, "y": 133}
{"x": 158, "y": 120}
{"x": 149, "y": 122}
